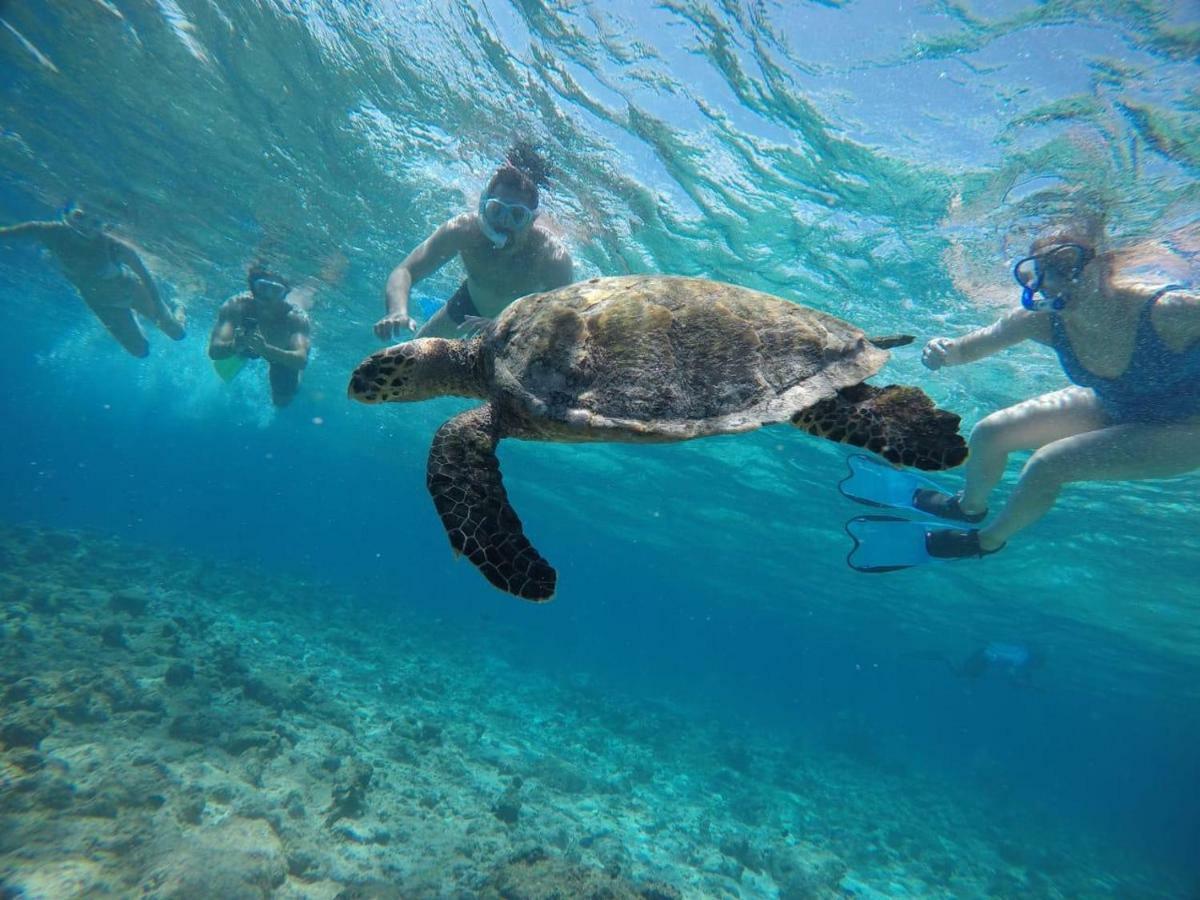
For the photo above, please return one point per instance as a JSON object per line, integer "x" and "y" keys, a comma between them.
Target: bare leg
{"x": 1025, "y": 426}
{"x": 124, "y": 327}
{"x": 285, "y": 383}
{"x": 154, "y": 309}
{"x": 1132, "y": 452}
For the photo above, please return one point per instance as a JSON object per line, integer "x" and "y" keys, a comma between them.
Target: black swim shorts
{"x": 461, "y": 305}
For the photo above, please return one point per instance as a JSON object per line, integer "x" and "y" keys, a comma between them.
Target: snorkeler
{"x": 268, "y": 322}
{"x": 1017, "y": 662}
{"x": 1133, "y": 412}
{"x": 506, "y": 255}
{"x": 108, "y": 274}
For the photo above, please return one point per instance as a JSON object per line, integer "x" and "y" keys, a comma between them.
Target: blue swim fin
{"x": 877, "y": 483}
{"x": 888, "y": 543}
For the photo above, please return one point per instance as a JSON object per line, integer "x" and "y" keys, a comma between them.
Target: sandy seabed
{"x": 176, "y": 728}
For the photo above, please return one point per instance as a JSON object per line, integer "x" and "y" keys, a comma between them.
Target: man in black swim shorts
{"x": 506, "y": 254}
{"x": 460, "y": 306}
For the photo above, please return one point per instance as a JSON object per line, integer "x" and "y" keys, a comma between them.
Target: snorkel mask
{"x": 269, "y": 288}
{"x": 1065, "y": 260}
{"x": 82, "y": 222}
{"x": 498, "y": 219}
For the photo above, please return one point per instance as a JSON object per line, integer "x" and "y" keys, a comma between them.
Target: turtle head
{"x": 419, "y": 370}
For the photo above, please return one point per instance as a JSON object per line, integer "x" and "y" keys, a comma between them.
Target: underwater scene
{"x": 560, "y": 448}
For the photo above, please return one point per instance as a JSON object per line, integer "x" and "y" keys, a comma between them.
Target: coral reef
{"x": 176, "y": 728}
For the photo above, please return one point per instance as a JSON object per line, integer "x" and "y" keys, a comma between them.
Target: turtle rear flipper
{"x": 899, "y": 423}
{"x": 464, "y": 479}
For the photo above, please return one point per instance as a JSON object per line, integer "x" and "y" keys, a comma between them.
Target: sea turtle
{"x": 642, "y": 358}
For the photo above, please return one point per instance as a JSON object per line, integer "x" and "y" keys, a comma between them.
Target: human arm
{"x": 295, "y": 356}
{"x": 437, "y": 250}
{"x": 37, "y": 230}
{"x": 1019, "y": 325}
{"x": 222, "y": 344}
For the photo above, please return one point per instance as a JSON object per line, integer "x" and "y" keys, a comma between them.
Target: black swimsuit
{"x": 459, "y": 306}
{"x": 1159, "y": 384}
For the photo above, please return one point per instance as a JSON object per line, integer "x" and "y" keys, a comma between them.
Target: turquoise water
{"x": 883, "y": 162}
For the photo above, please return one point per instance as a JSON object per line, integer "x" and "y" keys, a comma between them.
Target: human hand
{"x": 937, "y": 353}
{"x": 254, "y": 343}
{"x": 392, "y": 324}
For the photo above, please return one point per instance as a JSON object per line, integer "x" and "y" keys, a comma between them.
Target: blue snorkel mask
{"x": 1066, "y": 260}
{"x": 499, "y": 219}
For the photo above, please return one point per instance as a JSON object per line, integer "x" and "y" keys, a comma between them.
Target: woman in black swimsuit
{"x": 1132, "y": 413}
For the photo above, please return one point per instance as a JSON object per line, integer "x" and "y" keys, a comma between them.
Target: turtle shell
{"x": 670, "y": 358}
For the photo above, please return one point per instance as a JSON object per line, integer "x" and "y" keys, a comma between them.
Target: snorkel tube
{"x": 1030, "y": 275}
{"x": 1030, "y": 288}
{"x": 498, "y": 238}
{"x": 1031, "y": 303}
{"x": 1027, "y": 299}
{"x": 1058, "y": 304}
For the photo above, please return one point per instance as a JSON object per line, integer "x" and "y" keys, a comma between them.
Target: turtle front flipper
{"x": 464, "y": 479}
{"x": 899, "y": 423}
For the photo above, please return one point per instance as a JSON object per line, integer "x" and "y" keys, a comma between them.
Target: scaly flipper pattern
{"x": 464, "y": 480}
{"x": 899, "y": 423}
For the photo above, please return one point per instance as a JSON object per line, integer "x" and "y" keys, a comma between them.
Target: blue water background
{"x": 709, "y": 575}
{"x": 1098, "y": 741}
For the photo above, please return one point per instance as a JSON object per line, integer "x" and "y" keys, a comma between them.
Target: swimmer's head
{"x": 508, "y": 205}
{"x": 82, "y": 222}
{"x": 513, "y": 184}
{"x": 1058, "y": 264}
{"x": 266, "y": 285}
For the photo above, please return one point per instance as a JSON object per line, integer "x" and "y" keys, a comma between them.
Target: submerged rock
{"x": 58, "y": 878}
{"x": 239, "y": 858}
{"x": 25, "y": 728}
{"x": 350, "y": 793}
{"x": 534, "y": 875}
{"x": 112, "y": 634}
{"x": 179, "y": 673}
{"x": 805, "y": 872}
{"x": 508, "y": 807}
{"x": 131, "y": 602}
{"x": 372, "y": 890}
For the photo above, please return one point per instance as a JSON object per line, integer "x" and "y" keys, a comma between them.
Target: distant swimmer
{"x": 505, "y": 252}
{"x": 1133, "y": 413}
{"x": 108, "y": 274}
{"x": 269, "y": 321}
{"x": 1015, "y": 661}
